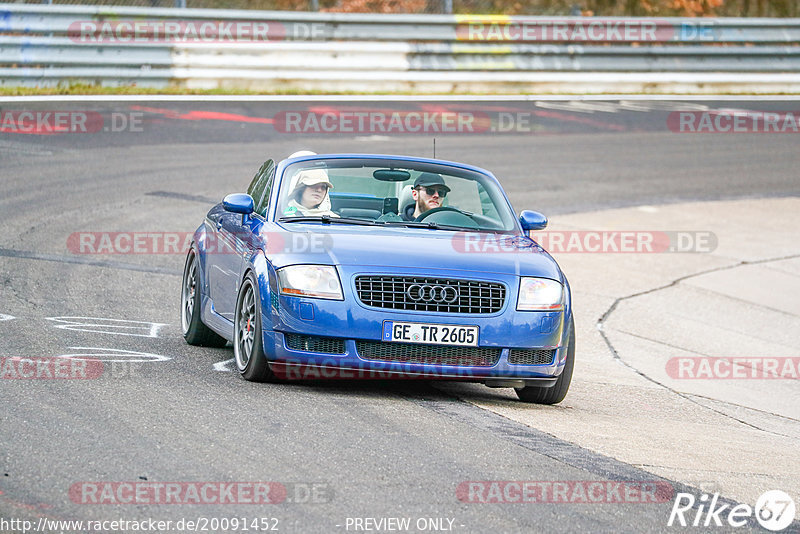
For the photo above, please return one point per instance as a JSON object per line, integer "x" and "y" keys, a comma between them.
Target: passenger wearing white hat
{"x": 309, "y": 197}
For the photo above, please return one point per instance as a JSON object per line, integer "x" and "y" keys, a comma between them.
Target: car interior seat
{"x": 360, "y": 213}
{"x": 405, "y": 199}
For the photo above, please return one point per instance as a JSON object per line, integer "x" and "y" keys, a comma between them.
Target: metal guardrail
{"x": 45, "y": 45}
{"x": 351, "y": 57}
{"x": 31, "y": 18}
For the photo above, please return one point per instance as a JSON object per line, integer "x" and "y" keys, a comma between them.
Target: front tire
{"x": 194, "y": 331}
{"x": 557, "y": 392}
{"x": 248, "y": 345}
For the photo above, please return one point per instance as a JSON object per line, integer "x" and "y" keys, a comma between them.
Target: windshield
{"x": 392, "y": 192}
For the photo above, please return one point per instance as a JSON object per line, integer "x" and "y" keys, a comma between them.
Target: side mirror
{"x": 239, "y": 203}
{"x": 532, "y": 220}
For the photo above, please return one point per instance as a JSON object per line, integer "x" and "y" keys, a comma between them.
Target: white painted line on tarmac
{"x": 224, "y": 367}
{"x": 4, "y": 317}
{"x": 100, "y": 325}
{"x": 114, "y": 355}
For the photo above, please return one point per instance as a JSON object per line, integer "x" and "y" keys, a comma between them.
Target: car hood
{"x": 301, "y": 243}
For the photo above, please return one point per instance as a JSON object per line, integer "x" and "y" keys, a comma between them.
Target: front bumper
{"x": 298, "y": 364}
{"x": 351, "y": 321}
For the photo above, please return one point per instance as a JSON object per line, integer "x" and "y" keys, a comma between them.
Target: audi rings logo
{"x": 433, "y": 294}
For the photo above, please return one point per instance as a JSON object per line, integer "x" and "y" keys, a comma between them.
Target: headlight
{"x": 320, "y": 281}
{"x": 540, "y": 294}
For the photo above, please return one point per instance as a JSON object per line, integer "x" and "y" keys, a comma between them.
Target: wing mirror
{"x": 239, "y": 203}
{"x": 532, "y": 220}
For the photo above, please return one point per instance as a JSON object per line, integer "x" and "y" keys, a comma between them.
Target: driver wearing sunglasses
{"x": 428, "y": 193}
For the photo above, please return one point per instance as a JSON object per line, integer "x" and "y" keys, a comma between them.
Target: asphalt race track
{"x": 349, "y": 454}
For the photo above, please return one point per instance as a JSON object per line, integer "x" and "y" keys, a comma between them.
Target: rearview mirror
{"x": 532, "y": 220}
{"x": 239, "y": 203}
{"x": 391, "y": 175}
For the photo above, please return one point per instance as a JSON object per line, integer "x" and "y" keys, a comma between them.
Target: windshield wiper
{"x": 449, "y": 227}
{"x": 327, "y": 219}
{"x": 431, "y": 225}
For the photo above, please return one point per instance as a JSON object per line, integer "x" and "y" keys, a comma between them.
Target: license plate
{"x": 431, "y": 334}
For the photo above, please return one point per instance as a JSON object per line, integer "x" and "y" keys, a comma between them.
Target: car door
{"x": 233, "y": 240}
{"x": 229, "y": 261}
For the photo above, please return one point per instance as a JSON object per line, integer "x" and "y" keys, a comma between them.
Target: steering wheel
{"x": 461, "y": 219}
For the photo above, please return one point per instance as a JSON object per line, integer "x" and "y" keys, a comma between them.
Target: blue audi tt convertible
{"x": 374, "y": 266}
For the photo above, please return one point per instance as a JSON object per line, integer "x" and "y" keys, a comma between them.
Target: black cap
{"x": 429, "y": 178}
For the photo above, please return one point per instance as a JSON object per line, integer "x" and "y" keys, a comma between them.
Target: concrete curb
{"x": 635, "y": 311}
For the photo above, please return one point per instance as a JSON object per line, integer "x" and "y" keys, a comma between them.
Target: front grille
{"x": 325, "y": 345}
{"x": 431, "y": 294}
{"x": 427, "y": 354}
{"x": 531, "y": 356}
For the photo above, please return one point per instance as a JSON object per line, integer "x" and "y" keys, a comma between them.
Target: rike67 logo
{"x": 774, "y": 510}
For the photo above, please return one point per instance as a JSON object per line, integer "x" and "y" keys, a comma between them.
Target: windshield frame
{"x": 487, "y": 180}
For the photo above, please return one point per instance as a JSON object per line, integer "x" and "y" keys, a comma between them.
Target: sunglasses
{"x": 430, "y": 191}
